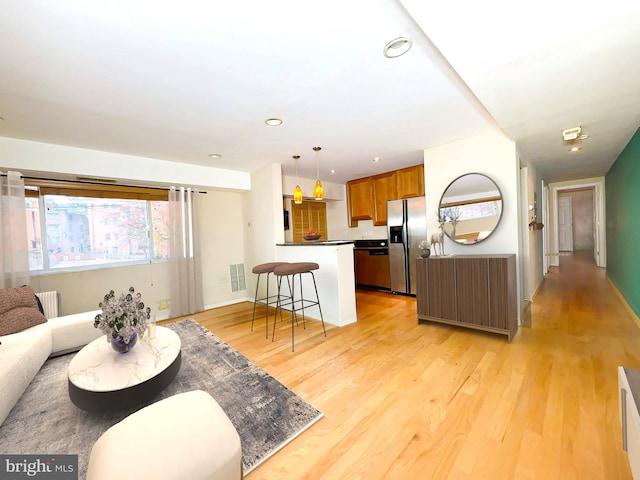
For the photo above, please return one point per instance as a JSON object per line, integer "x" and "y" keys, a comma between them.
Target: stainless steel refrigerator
{"x": 406, "y": 227}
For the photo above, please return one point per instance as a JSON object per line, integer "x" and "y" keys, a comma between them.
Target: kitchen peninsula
{"x": 335, "y": 278}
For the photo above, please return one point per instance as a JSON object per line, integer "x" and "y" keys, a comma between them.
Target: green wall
{"x": 622, "y": 187}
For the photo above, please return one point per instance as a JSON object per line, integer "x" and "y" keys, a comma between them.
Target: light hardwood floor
{"x": 409, "y": 401}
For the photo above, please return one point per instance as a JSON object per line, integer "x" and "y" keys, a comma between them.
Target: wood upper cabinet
{"x": 384, "y": 189}
{"x": 410, "y": 182}
{"x": 367, "y": 197}
{"x": 360, "y": 200}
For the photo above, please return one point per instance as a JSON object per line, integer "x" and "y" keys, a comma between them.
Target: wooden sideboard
{"x": 473, "y": 291}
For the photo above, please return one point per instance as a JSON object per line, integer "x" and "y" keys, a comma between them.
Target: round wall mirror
{"x": 470, "y": 208}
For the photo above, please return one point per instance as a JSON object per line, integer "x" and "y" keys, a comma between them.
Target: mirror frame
{"x": 440, "y": 207}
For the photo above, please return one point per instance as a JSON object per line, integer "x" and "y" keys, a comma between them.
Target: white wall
{"x": 222, "y": 244}
{"x": 82, "y": 291}
{"x": 46, "y": 159}
{"x": 493, "y": 155}
{"x": 263, "y": 227}
{"x": 536, "y": 272}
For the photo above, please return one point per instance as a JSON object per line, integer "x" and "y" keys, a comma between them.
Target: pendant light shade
{"x": 297, "y": 192}
{"x": 318, "y": 190}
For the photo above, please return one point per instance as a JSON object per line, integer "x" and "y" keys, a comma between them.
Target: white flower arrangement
{"x": 424, "y": 245}
{"x": 122, "y": 316}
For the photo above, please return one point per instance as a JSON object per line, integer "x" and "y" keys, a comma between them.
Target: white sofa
{"x": 23, "y": 353}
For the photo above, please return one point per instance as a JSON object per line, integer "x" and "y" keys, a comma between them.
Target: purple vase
{"x": 120, "y": 346}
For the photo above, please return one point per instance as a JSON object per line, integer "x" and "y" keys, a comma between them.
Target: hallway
{"x": 431, "y": 401}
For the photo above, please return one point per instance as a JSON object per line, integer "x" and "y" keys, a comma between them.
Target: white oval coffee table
{"x": 103, "y": 380}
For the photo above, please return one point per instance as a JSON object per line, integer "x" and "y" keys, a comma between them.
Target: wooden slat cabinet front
{"x": 473, "y": 291}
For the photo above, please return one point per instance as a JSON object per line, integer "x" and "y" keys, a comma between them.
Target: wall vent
{"x": 236, "y": 275}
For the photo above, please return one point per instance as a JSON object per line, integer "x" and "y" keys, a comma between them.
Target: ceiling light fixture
{"x": 571, "y": 133}
{"x": 333, "y": 170}
{"x": 397, "y": 47}
{"x": 297, "y": 192}
{"x": 376, "y": 159}
{"x": 215, "y": 155}
{"x": 318, "y": 190}
{"x": 575, "y": 149}
{"x": 273, "y": 122}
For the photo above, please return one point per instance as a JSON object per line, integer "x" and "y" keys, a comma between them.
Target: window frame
{"x": 36, "y": 187}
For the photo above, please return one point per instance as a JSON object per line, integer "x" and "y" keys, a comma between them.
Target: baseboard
{"x": 228, "y": 302}
{"x": 211, "y": 305}
{"x": 633, "y": 314}
{"x": 535, "y": 292}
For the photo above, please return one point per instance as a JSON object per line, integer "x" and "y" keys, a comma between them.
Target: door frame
{"x": 598, "y": 184}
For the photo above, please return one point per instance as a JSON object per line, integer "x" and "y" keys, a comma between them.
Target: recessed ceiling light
{"x": 333, "y": 170}
{"x": 215, "y": 155}
{"x": 397, "y": 47}
{"x": 376, "y": 160}
{"x": 273, "y": 122}
{"x": 575, "y": 149}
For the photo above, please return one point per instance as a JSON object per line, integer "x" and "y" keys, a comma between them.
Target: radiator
{"x": 50, "y": 303}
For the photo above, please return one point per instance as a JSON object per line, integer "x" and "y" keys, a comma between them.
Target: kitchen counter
{"x": 316, "y": 244}
{"x": 335, "y": 278}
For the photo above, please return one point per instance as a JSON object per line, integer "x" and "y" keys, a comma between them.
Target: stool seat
{"x": 260, "y": 269}
{"x": 295, "y": 268}
{"x": 266, "y": 267}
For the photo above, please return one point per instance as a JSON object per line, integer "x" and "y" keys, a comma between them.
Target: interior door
{"x": 565, "y": 227}
{"x": 545, "y": 240}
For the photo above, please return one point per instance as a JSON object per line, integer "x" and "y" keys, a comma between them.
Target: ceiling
{"x": 181, "y": 80}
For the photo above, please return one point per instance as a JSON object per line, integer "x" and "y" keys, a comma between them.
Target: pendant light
{"x": 297, "y": 192}
{"x": 318, "y": 190}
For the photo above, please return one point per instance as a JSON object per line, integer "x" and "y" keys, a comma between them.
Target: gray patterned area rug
{"x": 266, "y": 414}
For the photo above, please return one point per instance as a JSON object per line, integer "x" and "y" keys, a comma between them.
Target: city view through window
{"x": 86, "y": 232}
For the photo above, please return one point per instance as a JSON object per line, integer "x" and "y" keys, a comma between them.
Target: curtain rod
{"x": 93, "y": 182}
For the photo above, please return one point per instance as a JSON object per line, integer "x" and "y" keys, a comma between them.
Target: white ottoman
{"x": 187, "y": 436}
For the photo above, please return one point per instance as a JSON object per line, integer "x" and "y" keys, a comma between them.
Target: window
{"x": 84, "y": 231}
{"x": 309, "y": 216}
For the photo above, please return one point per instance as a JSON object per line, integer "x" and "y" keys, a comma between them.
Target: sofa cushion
{"x": 72, "y": 332}
{"x": 18, "y": 310}
{"x": 21, "y": 356}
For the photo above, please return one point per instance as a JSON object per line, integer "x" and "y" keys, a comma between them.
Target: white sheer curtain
{"x": 13, "y": 238}
{"x": 185, "y": 263}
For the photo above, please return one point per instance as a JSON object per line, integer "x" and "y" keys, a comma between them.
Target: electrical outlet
{"x": 163, "y": 304}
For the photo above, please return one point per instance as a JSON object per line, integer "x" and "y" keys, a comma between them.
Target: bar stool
{"x": 267, "y": 268}
{"x": 293, "y": 269}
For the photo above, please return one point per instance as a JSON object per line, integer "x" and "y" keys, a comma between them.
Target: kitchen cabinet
{"x": 384, "y": 189}
{"x": 472, "y": 291}
{"x": 372, "y": 269}
{"x": 360, "y": 200}
{"x": 367, "y": 197}
{"x": 410, "y": 182}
